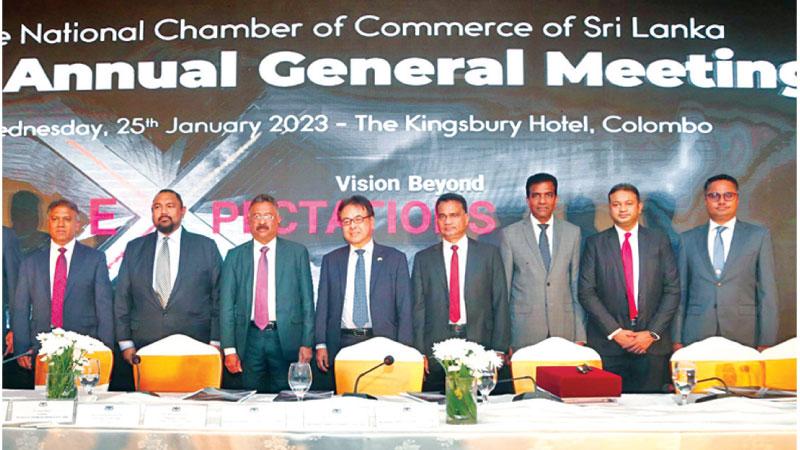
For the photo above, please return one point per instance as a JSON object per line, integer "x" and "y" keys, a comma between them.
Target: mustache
{"x": 262, "y": 228}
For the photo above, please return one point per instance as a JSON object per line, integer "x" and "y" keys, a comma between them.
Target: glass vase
{"x": 461, "y": 399}
{"x": 61, "y": 383}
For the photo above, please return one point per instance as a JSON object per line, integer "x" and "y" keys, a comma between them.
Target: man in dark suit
{"x": 459, "y": 289}
{"x": 14, "y": 376}
{"x": 364, "y": 287}
{"x": 630, "y": 290}
{"x": 266, "y": 303}
{"x": 727, "y": 272}
{"x": 167, "y": 282}
{"x": 63, "y": 286}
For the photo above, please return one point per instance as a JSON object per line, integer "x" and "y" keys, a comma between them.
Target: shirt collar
{"x": 729, "y": 224}
{"x": 257, "y": 245}
{"x": 70, "y": 246}
{"x": 368, "y": 247}
{"x": 621, "y": 233}
{"x": 174, "y": 237}
{"x": 536, "y": 222}
{"x": 461, "y": 243}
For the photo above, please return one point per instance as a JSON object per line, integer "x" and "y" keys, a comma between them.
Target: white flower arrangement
{"x": 57, "y": 342}
{"x": 469, "y": 358}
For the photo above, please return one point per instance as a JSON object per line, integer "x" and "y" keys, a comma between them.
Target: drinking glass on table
{"x": 90, "y": 375}
{"x": 486, "y": 383}
{"x": 684, "y": 378}
{"x": 300, "y": 379}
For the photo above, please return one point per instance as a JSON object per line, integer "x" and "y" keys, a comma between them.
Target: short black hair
{"x": 450, "y": 197}
{"x": 358, "y": 200}
{"x": 540, "y": 178}
{"x": 63, "y": 202}
{"x": 170, "y": 191}
{"x": 624, "y": 187}
{"x": 263, "y": 198}
{"x": 721, "y": 177}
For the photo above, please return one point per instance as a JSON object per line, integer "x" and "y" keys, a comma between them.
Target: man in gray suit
{"x": 65, "y": 286}
{"x": 727, "y": 275}
{"x": 541, "y": 255}
{"x": 167, "y": 282}
{"x": 364, "y": 287}
{"x": 630, "y": 289}
{"x": 266, "y": 303}
{"x": 459, "y": 289}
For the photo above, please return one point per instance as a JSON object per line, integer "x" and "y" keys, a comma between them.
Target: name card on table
{"x": 53, "y": 411}
{"x": 5, "y": 410}
{"x": 255, "y": 415}
{"x": 341, "y": 414}
{"x": 175, "y": 416}
{"x": 412, "y": 416}
{"x": 107, "y": 415}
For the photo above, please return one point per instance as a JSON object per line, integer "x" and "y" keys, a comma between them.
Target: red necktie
{"x": 455, "y": 292}
{"x": 261, "y": 313}
{"x": 627, "y": 266}
{"x": 59, "y": 286}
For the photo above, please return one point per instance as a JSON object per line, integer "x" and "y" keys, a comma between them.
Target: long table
{"x": 635, "y": 421}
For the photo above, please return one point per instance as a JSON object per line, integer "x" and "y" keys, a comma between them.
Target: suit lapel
{"x": 644, "y": 268}
{"x": 43, "y": 269}
{"x": 75, "y": 267}
{"x": 183, "y": 261}
{"x": 614, "y": 254}
{"x": 530, "y": 238}
{"x": 556, "y": 241}
{"x": 247, "y": 276}
{"x": 281, "y": 266}
{"x": 701, "y": 244}
{"x": 146, "y": 266}
{"x": 737, "y": 242}
{"x": 473, "y": 262}
{"x": 438, "y": 271}
{"x": 375, "y": 270}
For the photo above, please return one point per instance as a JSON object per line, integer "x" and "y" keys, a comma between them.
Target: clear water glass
{"x": 684, "y": 379}
{"x": 89, "y": 376}
{"x": 487, "y": 382}
{"x": 300, "y": 379}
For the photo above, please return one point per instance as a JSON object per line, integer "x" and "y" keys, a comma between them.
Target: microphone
{"x": 388, "y": 360}
{"x": 536, "y": 393}
{"x": 16, "y": 357}
{"x": 136, "y": 360}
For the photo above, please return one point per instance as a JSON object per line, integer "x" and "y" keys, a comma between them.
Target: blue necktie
{"x": 719, "y": 252}
{"x": 544, "y": 245}
{"x": 360, "y": 292}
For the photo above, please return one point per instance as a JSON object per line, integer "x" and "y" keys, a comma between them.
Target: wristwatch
{"x": 654, "y": 335}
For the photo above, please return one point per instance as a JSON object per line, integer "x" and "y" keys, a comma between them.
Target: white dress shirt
{"x": 174, "y": 255}
{"x": 349, "y": 291}
{"x": 548, "y": 232}
{"x": 447, "y": 252}
{"x": 54, "y": 254}
{"x": 727, "y": 237}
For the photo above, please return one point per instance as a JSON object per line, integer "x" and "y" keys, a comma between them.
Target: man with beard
{"x": 167, "y": 282}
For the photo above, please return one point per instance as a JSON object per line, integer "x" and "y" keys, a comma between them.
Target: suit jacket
{"x": 11, "y": 261}
{"x": 193, "y": 307}
{"x": 88, "y": 298}
{"x": 543, "y": 303}
{"x": 294, "y": 298}
{"x": 743, "y": 303}
{"x": 601, "y": 290}
{"x": 485, "y": 297}
{"x": 389, "y": 296}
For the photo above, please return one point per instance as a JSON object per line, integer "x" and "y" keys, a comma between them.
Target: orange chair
{"x": 404, "y": 375}
{"x": 780, "y": 366}
{"x": 554, "y": 351}
{"x": 736, "y": 364}
{"x": 177, "y": 363}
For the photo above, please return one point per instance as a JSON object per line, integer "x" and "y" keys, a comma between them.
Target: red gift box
{"x": 570, "y": 382}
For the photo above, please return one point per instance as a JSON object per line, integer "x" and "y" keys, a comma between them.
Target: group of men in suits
{"x": 623, "y": 294}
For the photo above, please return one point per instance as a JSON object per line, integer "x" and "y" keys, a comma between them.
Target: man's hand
{"x": 322, "y": 359}
{"x": 641, "y": 342}
{"x": 128, "y": 355}
{"x": 624, "y": 339}
{"x": 304, "y": 355}
{"x": 676, "y": 346}
{"x": 581, "y": 343}
{"x": 233, "y": 363}
{"x": 9, "y": 343}
{"x": 25, "y": 362}
{"x": 761, "y": 348}
{"x": 425, "y": 364}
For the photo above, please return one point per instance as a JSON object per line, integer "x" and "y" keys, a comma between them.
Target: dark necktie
{"x": 455, "y": 291}
{"x": 544, "y": 245}
{"x": 627, "y": 266}
{"x": 59, "y": 286}
{"x": 261, "y": 313}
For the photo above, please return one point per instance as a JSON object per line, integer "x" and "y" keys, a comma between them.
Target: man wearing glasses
{"x": 266, "y": 303}
{"x": 364, "y": 287}
{"x": 727, "y": 275}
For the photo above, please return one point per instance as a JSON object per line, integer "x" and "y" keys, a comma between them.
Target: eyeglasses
{"x": 716, "y": 196}
{"x": 260, "y": 217}
{"x": 358, "y": 220}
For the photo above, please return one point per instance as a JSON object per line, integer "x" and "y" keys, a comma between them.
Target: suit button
{"x": 719, "y": 283}
{"x": 548, "y": 284}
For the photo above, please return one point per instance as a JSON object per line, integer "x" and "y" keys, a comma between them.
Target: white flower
{"x": 456, "y": 354}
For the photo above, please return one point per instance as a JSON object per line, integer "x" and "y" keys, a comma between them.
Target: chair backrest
{"x": 736, "y": 364}
{"x": 177, "y": 363}
{"x": 404, "y": 375}
{"x": 780, "y": 366}
{"x": 105, "y": 356}
{"x": 554, "y": 351}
